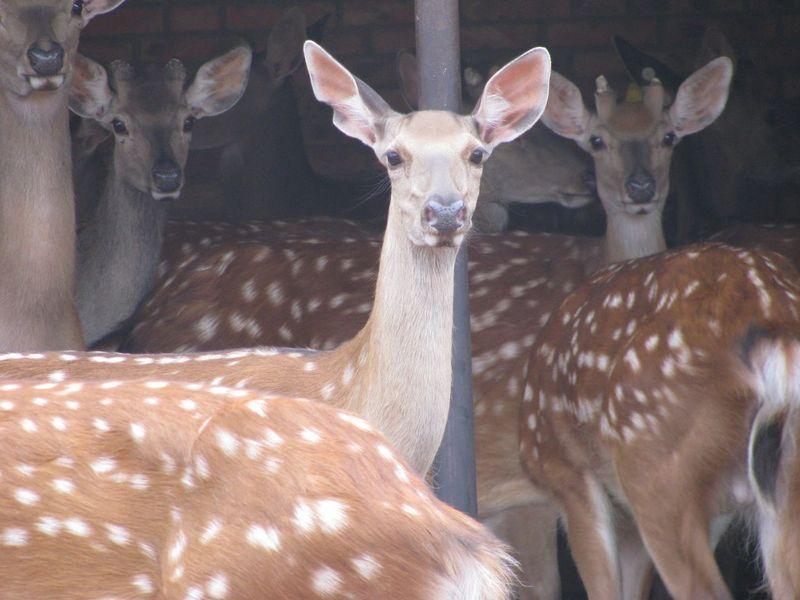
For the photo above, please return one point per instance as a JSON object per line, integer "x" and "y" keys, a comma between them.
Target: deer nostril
{"x": 445, "y": 214}
{"x": 167, "y": 176}
{"x": 641, "y": 187}
{"x": 46, "y": 62}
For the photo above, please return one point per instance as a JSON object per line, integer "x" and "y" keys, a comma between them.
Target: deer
{"x": 535, "y": 168}
{"x": 303, "y": 297}
{"x": 151, "y": 113}
{"x": 126, "y": 489}
{"x": 38, "y": 42}
{"x": 648, "y": 415}
{"x": 434, "y": 160}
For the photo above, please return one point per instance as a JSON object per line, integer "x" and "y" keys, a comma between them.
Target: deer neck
{"x": 118, "y": 255}
{"x": 632, "y": 236}
{"x": 37, "y": 215}
{"x": 403, "y": 376}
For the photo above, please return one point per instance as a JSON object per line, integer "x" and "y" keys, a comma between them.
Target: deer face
{"x": 39, "y": 38}
{"x": 434, "y": 158}
{"x": 631, "y": 143}
{"x": 151, "y": 113}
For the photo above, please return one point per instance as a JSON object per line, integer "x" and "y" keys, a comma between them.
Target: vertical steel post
{"x": 440, "y": 88}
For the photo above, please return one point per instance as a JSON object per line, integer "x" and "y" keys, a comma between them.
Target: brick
{"x": 348, "y": 43}
{"x": 598, "y": 33}
{"x": 386, "y": 12}
{"x": 104, "y": 51}
{"x": 195, "y": 18}
{"x": 600, "y": 7}
{"x": 128, "y": 19}
{"x": 494, "y": 37}
{"x": 249, "y": 17}
{"x": 390, "y": 40}
{"x": 193, "y": 50}
{"x": 481, "y": 11}
{"x": 592, "y": 64}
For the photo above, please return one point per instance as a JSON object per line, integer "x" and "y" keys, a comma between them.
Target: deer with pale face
{"x": 151, "y": 114}
{"x": 632, "y": 143}
{"x": 38, "y": 39}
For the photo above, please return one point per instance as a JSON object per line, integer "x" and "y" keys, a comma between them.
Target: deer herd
{"x": 276, "y": 390}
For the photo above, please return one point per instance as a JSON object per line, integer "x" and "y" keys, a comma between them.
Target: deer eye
{"x": 119, "y": 127}
{"x": 393, "y": 158}
{"x": 669, "y": 139}
{"x": 77, "y": 7}
{"x": 596, "y": 142}
{"x": 477, "y": 156}
{"x": 188, "y": 123}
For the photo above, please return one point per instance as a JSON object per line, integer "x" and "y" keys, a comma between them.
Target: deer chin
{"x": 39, "y": 84}
{"x": 164, "y": 196}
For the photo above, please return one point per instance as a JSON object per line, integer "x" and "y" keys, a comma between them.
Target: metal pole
{"x": 440, "y": 88}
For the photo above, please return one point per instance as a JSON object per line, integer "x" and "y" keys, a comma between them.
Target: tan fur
{"x": 139, "y": 490}
{"x": 637, "y": 396}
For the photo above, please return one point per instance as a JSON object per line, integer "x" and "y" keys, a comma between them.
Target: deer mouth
{"x": 639, "y": 208}
{"x": 39, "y": 83}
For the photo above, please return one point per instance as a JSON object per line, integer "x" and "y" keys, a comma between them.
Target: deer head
{"x": 151, "y": 112}
{"x": 434, "y": 159}
{"x": 632, "y": 142}
{"x": 537, "y": 167}
{"x": 39, "y": 38}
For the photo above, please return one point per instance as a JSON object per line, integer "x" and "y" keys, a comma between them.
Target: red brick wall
{"x": 365, "y": 34}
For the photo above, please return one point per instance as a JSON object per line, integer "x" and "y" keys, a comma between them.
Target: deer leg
{"x": 678, "y": 540}
{"x": 636, "y": 566}
{"x": 531, "y": 531}
{"x": 590, "y": 532}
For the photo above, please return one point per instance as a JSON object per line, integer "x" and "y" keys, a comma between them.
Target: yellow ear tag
{"x": 634, "y": 93}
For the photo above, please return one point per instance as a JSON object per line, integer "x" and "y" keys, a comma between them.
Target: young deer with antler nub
{"x": 151, "y": 113}
{"x": 38, "y": 43}
{"x": 141, "y": 490}
{"x": 637, "y": 411}
{"x": 396, "y": 372}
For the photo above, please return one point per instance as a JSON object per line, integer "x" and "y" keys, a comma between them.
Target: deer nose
{"x": 641, "y": 187}
{"x": 167, "y": 176}
{"x": 446, "y": 214}
{"x": 46, "y": 62}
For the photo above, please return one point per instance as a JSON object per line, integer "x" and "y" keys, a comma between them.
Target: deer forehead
{"x": 632, "y": 120}
{"x": 437, "y": 128}
{"x": 150, "y": 93}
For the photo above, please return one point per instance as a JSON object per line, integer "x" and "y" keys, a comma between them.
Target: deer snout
{"x": 446, "y": 214}
{"x": 641, "y": 187}
{"x": 167, "y": 177}
{"x": 589, "y": 179}
{"x": 46, "y": 58}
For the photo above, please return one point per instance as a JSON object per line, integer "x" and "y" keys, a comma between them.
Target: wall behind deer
{"x": 366, "y": 34}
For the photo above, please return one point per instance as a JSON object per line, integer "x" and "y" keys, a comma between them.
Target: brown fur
{"x": 636, "y": 395}
{"x": 112, "y": 490}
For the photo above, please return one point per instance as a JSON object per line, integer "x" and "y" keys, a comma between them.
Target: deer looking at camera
{"x": 38, "y": 41}
{"x": 396, "y": 371}
{"x": 141, "y": 490}
{"x": 535, "y": 168}
{"x": 151, "y": 113}
{"x": 641, "y": 402}
{"x": 315, "y": 292}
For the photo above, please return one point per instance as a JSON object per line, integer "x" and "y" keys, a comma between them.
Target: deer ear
{"x": 89, "y": 95}
{"x": 408, "y": 74}
{"x": 285, "y": 44}
{"x": 358, "y": 110}
{"x": 92, "y": 8}
{"x": 514, "y": 98}
{"x": 220, "y": 83}
{"x": 566, "y": 113}
{"x": 702, "y": 97}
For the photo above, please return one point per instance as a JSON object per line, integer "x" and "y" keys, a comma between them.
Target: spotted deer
{"x": 305, "y": 297}
{"x": 396, "y": 370}
{"x": 637, "y": 409}
{"x": 38, "y": 41}
{"x": 535, "y": 168}
{"x": 151, "y": 113}
{"x": 142, "y": 489}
